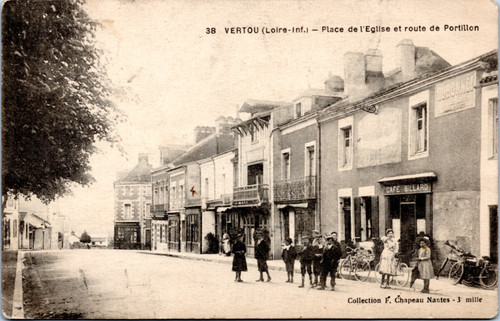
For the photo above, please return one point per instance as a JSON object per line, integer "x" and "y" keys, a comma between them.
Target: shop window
{"x": 493, "y": 127}
{"x": 418, "y": 126}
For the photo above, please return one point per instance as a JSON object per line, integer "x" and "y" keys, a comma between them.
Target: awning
{"x": 302, "y": 205}
{"x": 222, "y": 209}
{"x": 407, "y": 178}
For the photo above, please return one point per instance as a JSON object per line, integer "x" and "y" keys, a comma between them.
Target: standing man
{"x": 330, "y": 260}
{"x": 317, "y": 246}
{"x": 261, "y": 254}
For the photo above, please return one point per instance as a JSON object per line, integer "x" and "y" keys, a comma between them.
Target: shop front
{"x": 173, "y": 232}
{"x": 193, "y": 223}
{"x": 408, "y": 209}
{"x": 297, "y": 221}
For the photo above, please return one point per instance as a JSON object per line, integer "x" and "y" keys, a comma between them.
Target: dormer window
{"x": 298, "y": 110}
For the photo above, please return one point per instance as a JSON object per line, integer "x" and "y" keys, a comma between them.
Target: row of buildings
{"x": 414, "y": 149}
{"x": 24, "y": 228}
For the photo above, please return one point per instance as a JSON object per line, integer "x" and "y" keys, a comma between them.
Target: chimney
{"x": 406, "y": 54}
{"x": 143, "y": 158}
{"x": 201, "y": 132}
{"x": 375, "y": 79}
{"x": 354, "y": 74}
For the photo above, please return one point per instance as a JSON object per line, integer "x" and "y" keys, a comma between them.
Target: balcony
{"x": 295, "y": 190}
{"x": 251, "y": 195}
{"x": 224, "y": 200}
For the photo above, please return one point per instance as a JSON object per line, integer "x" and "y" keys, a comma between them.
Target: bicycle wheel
{"x": 456, "y": 272}
{"x": 402, "y": 274}
{"x": 362, "y": 270}
{"x": 377, "y": 274}
{"x": 345, "y": 269}
{"x": 488, "y": 277}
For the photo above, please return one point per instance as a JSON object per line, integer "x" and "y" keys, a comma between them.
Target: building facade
{"x": 408, "y": 156}
{"x": 132, "y": 221}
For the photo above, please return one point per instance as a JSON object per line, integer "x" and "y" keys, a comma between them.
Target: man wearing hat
{"x": 317, "y": 246}
{"x": 330, "y": 260}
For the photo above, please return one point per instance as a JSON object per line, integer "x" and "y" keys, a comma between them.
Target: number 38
{"x": 211, "y": 31}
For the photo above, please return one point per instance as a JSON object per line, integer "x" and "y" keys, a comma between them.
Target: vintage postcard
{"x": 249, "y": 159}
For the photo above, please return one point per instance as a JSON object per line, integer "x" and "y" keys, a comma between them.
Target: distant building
{"x": 10, "y": 224}
{"x": 132, "y": 207}
{"x": 99, "y": 240}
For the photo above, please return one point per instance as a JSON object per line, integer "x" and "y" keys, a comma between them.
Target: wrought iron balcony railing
{"x": 251, "y": 195}
{"x": 295, "y": 190}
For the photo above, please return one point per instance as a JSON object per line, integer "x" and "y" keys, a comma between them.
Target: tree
{"x": 85, "y": 238}
{"x": 56, "y": 97}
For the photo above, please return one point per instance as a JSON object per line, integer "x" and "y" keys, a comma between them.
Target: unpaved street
{"x": 128, "y": 284}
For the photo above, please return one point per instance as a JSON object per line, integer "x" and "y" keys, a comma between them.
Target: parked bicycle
{"x": 356, "y": 264}
{"x": 471, "y": 270}
{"x": 402, "y": 275}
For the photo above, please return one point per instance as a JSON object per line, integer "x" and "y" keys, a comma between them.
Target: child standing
{"x": 425, "y": 269}
{"x": 261, "y": 254}
{"x": 306, "y": 258}
{"x": 289, "y": 254}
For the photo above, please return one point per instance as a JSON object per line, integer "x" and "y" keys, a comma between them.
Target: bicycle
{"x": 402, "y": 275}
{"x": 356, "y": 264}
{"x": 471, "y": 270}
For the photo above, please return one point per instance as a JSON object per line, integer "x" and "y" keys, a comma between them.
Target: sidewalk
{"x": 441, "y": 286}
{"x": 9, "y": 264}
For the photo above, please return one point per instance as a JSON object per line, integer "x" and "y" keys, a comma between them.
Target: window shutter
{"x": 357, "y": 217}
{"x": 375, "y": 217}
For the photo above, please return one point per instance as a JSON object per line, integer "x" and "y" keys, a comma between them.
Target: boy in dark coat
{"x": 306, "y": 258}
{"x": 317, "y": 245}
{"x": 261, "y": 254}
{"x": 330, "y": 260}
{"x": 289, "y": 254}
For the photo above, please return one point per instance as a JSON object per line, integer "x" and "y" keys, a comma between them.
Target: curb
{"x": 17, "y": 302}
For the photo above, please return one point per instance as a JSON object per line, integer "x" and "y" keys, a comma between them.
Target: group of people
{"x": 316, "y": 258}
{"x": 320, "y": 259}
{"x": 421, "y": 262}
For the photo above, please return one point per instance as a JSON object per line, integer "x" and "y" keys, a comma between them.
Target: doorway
{"x": 255, "y": 174}
{"x": 494, "y": 233}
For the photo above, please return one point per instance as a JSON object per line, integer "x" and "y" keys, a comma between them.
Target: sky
{"x": 172, "y": 76}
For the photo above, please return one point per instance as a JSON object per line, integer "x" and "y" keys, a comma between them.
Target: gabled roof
{"x": 209, "y": 146}
{"x": 141, "y": 173}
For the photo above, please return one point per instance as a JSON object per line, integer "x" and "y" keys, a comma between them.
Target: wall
{"x": 454, "y": 149}
{"x": 489, "y": 170}
{"x": 193, "y": 182}
{"x": 223, "y": 174}
{"x": 296, "y": 142}
{"x": 253, "y": 153}
{"x": 207, "y": 172}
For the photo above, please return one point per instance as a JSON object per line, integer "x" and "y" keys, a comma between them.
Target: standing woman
{"x": 425, "y": 269}
{"x": 387, "y": 258}
{"x": 239, "y": 260}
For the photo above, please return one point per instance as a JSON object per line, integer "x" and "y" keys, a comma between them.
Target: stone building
{"x": 132, "y": 218}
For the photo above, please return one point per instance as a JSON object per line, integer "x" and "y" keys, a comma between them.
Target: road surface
{"x": 129, "y": 284}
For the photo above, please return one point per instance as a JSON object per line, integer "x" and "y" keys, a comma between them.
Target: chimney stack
{"x": 406, "y": 54}
{"x": 334, "y": 84}
{"x": 375, "y": 79}
{"x": 201, "y": 132}
{"x": 143, "y": 158}
{"x": 354, "y": 74}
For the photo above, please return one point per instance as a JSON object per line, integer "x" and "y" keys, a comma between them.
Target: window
{"x": 298, "y": 110}
{"x": 148, "y": 208}
{"x": 421, "y": 128}
{"x": 310, "y": 161}
{"x": 418, "y": 129}
{"x": 285, "y": 164}
{"x": 346, "y": 146}
{"x": 155, "y": 196}
{"x": 493, "y": 119}
{"x": 205, "y": 192}
{"x": 127, "y": 214}
{"x": 254, "y": 134}
{"x": 161, "y": 196}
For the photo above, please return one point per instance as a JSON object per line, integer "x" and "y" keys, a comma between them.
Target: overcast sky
{"x": 173, "y": 76}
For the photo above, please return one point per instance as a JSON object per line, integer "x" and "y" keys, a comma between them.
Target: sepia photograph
{"x": 249, "y": 159}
